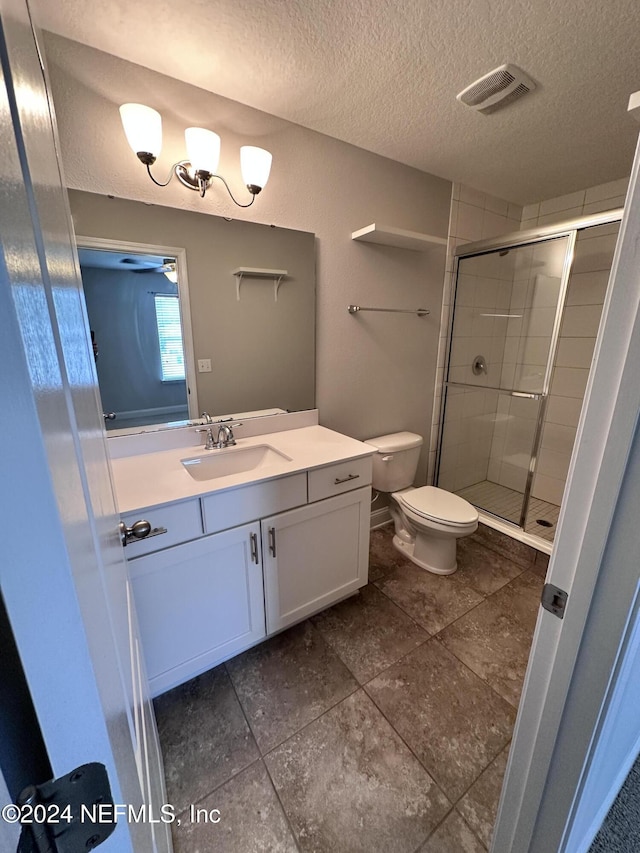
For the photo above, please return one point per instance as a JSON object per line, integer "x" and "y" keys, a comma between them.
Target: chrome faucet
{"x": 225, "y": 435}
{"x": 210, "y": 443}
{"x": 207, "y": 419}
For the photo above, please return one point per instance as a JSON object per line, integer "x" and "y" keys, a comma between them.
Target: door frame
{"x": 180, "y": 254}
{"x": 576, "y": 662}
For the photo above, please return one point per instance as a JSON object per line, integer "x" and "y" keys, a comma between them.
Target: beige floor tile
{"x": 369, "y": 632}
{"x": 494, "y": 639}
{"x": 204, "y": 736}
{"x": 348, "y": 783}
{"x": 451, "y": 719}
{"x": 251, "y": 819}
{"x": 432, "y": 600}
{"x": 479, "y": 805}
{"x": 452, "y": 836}
{"x": 287, "y": 682}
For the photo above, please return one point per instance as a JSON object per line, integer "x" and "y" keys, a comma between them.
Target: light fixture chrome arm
{"x": 200, "y": 181}
{"x": 158, "y": 183}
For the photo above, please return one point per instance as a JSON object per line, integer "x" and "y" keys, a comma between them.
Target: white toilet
{"x": 428, "y": 521}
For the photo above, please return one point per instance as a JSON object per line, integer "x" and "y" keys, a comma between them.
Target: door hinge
{"x": 72, "y": 814}
{"x": 554, "y": 600}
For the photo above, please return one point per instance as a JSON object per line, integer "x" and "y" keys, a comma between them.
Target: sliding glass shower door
{"x": 507, "y": 313}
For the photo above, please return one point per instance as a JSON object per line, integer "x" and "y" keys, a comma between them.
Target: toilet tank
{"x": 396, "y": 460}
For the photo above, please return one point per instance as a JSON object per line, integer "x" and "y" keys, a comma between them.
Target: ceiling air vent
{"x": 497, "y": 89}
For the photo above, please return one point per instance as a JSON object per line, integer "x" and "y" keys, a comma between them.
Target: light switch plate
{"x": 204, "y": 365}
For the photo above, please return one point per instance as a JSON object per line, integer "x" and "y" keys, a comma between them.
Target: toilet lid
{"x": 438, "y": 505}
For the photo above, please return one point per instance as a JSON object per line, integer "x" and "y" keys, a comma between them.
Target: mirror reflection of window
{"x": 170, "y": 337}
{"x": 134, "y": 315}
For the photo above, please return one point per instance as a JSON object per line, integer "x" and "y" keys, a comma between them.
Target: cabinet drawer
{"x": 248, "y": 503}
{"x": 183, "y": 521}
{"x": 339, "y": 478}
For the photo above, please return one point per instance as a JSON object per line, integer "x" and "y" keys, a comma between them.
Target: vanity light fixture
{"x": 143, "y": 129}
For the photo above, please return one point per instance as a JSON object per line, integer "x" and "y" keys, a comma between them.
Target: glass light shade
{"x": 203, "y": 149}
{"x": 255, "y": 165}
{"x": 142, "y": 127}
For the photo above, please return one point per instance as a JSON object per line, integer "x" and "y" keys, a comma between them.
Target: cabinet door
{"x": 314, "y": 556}
{"x": 198, "y": 604}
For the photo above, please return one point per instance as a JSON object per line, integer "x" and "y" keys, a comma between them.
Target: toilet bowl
{"x": 428, "y": 521}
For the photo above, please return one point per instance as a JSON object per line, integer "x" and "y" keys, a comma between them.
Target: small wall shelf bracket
{"x": 256, "y": 272}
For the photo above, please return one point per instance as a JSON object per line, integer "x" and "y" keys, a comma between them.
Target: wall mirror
{"x": 137, "y": 303}
{"x": 245, "y": 293}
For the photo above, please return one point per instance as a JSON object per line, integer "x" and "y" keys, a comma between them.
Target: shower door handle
{"x": 526, "y": 395}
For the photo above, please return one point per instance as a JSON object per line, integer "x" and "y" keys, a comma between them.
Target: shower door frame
{"x": 515, "y": 240}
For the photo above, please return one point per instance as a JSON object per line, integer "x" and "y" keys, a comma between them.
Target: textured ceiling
{"x": 384, "y": 75}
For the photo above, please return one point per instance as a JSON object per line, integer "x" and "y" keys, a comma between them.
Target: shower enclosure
{"x": 523, "y": 327}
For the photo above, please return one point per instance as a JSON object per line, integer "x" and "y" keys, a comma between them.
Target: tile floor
{"x": 381, "y": 724}
{"x": 507, "y": 503}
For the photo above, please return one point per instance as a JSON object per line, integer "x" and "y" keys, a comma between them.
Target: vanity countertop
{"x": 152, "y": 479}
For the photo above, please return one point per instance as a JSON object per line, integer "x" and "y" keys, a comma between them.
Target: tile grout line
{"x": 454, "y": 808}
{"x": 491, "y": 760}
{"x": 357, "y": 687}
{"x": 466, "y": 613}
{"x": 294, "y": 834}
{"x": 437, "y": 636}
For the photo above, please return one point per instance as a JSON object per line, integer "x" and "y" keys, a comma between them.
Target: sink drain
{"x": 543, "y": 522}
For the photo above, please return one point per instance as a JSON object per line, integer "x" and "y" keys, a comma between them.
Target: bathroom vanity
{"x": 245, "y": 540}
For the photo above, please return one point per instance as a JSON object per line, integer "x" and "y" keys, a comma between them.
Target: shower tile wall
{"x": 592, "y": 200}
{"x": 585, "y": 297}
{"x": 474, "y": 216}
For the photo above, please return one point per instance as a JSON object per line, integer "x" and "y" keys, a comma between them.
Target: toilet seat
{"x": 438, "y": 507}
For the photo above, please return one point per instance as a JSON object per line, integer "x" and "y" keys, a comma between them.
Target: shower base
{"x": 507, "y": 503}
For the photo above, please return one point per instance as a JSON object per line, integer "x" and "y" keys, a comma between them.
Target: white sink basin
{"x": 232, "y": 460}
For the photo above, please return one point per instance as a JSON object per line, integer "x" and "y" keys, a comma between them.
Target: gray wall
{"x": 120, "y": 305}
{"x": 262, "y": 351}
{"x": 376, "y": 372}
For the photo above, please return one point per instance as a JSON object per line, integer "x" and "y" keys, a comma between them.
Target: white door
{"x": 578, "y": 729}
{"x": 62, "y": 571}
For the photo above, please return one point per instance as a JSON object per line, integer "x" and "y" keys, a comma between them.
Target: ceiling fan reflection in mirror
{"x": 167, "y": 267}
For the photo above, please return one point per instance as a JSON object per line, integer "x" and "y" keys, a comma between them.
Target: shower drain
{"x": 543, "y": 522}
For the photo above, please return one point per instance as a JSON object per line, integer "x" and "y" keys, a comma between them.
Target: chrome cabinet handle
{"x": 253, "y": 539}
{"x": 139, "y": 530}
{"x": 109, "y": 416}
{"x": 339, "y": 480}
{"x": 272, "y": 541}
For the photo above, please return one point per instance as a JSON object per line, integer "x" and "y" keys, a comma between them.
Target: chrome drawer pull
{"x": 338, "y": 481}
{"x": 272, "y": 541}
{"x": 254, "y": 547}
{"x": 157, "y": 531}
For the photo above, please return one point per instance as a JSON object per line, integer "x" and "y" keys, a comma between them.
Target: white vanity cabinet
{"x": 198, "y": 603}
{"x": 245, "y": 562}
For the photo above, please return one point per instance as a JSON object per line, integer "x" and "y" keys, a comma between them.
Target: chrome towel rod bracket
{"x": 420, "y": 312}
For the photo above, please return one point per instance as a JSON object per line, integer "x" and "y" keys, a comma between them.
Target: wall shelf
{"x": 387, "y": 235}
{"x": 258, "y": 272}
